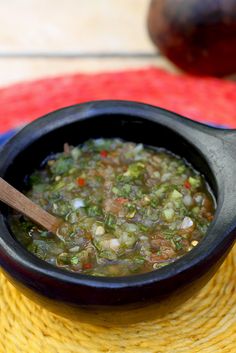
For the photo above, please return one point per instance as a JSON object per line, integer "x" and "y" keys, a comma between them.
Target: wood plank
{"x": 75, "y": 25}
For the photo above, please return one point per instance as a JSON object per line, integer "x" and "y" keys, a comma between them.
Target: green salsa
{"x": 127, "y": 209}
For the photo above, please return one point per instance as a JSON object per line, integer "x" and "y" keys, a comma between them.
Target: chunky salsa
{"x": 127, "y": 208}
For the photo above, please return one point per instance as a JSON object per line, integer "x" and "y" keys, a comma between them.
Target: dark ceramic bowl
{"x": 209, "y": 150}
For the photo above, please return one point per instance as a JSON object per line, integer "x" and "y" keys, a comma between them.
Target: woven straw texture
{"x": 204, "y": 323}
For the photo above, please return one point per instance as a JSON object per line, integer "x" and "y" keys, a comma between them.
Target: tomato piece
{"x": 187, "y": 184}
{"x": 121, "y": 200}
{"x": 80, "y": 181}
{"x": 87, "y": 266}
{"x": 103, "y": 153}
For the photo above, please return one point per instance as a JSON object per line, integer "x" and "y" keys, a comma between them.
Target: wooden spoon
{"x": 15, "y": 199}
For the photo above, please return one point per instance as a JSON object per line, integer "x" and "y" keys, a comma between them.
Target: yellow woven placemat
{"x": 204, "y": 323}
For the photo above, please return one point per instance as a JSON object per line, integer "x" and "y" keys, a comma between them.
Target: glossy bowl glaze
{"x": 211, "y": 151}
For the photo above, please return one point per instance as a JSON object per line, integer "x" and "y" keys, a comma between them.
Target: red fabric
{"x": 204, "y": 99}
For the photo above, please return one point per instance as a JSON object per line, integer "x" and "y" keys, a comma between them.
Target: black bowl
{"x": 211, "y": 151}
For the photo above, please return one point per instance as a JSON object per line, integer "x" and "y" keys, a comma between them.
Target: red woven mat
{"x": 204, "y": 99}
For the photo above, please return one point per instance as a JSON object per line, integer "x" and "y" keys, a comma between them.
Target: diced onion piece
{"x": 187, "y": 223}
{"x": 130, "y": 227}
{"x": 74, "y": 249}
{"x": 143, "y": 237}
{"x": 99, "y": 230}
{"x": 165, "y": 176}
{"x": 78, "y": 203}
{"x": 198, "y": 198}
{"x": 138, "y": 148}
{"x": 194, "y": 243}
{"x": 168, "y": 214}
{"x": 75, "y": 152}
{"x": 175, "y": 195}
{"x": 114, "y": 244}
{"x": 156, "y": 266}
{"x": 99, "y": 142}
{"x": 157, "y": 175}
{"x": 187, "y": 200}
{"x": 128, "y": 239}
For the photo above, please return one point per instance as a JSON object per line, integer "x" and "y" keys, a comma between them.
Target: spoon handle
{"x": 15, "y": 199}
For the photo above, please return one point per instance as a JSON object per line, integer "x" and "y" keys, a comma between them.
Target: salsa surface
{"x": 127, "y": 209}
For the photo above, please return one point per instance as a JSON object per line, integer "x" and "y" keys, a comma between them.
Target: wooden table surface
{"x": 40, "y": 38}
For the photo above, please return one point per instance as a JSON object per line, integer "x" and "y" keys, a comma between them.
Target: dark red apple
{"x": 199, "y": 36}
